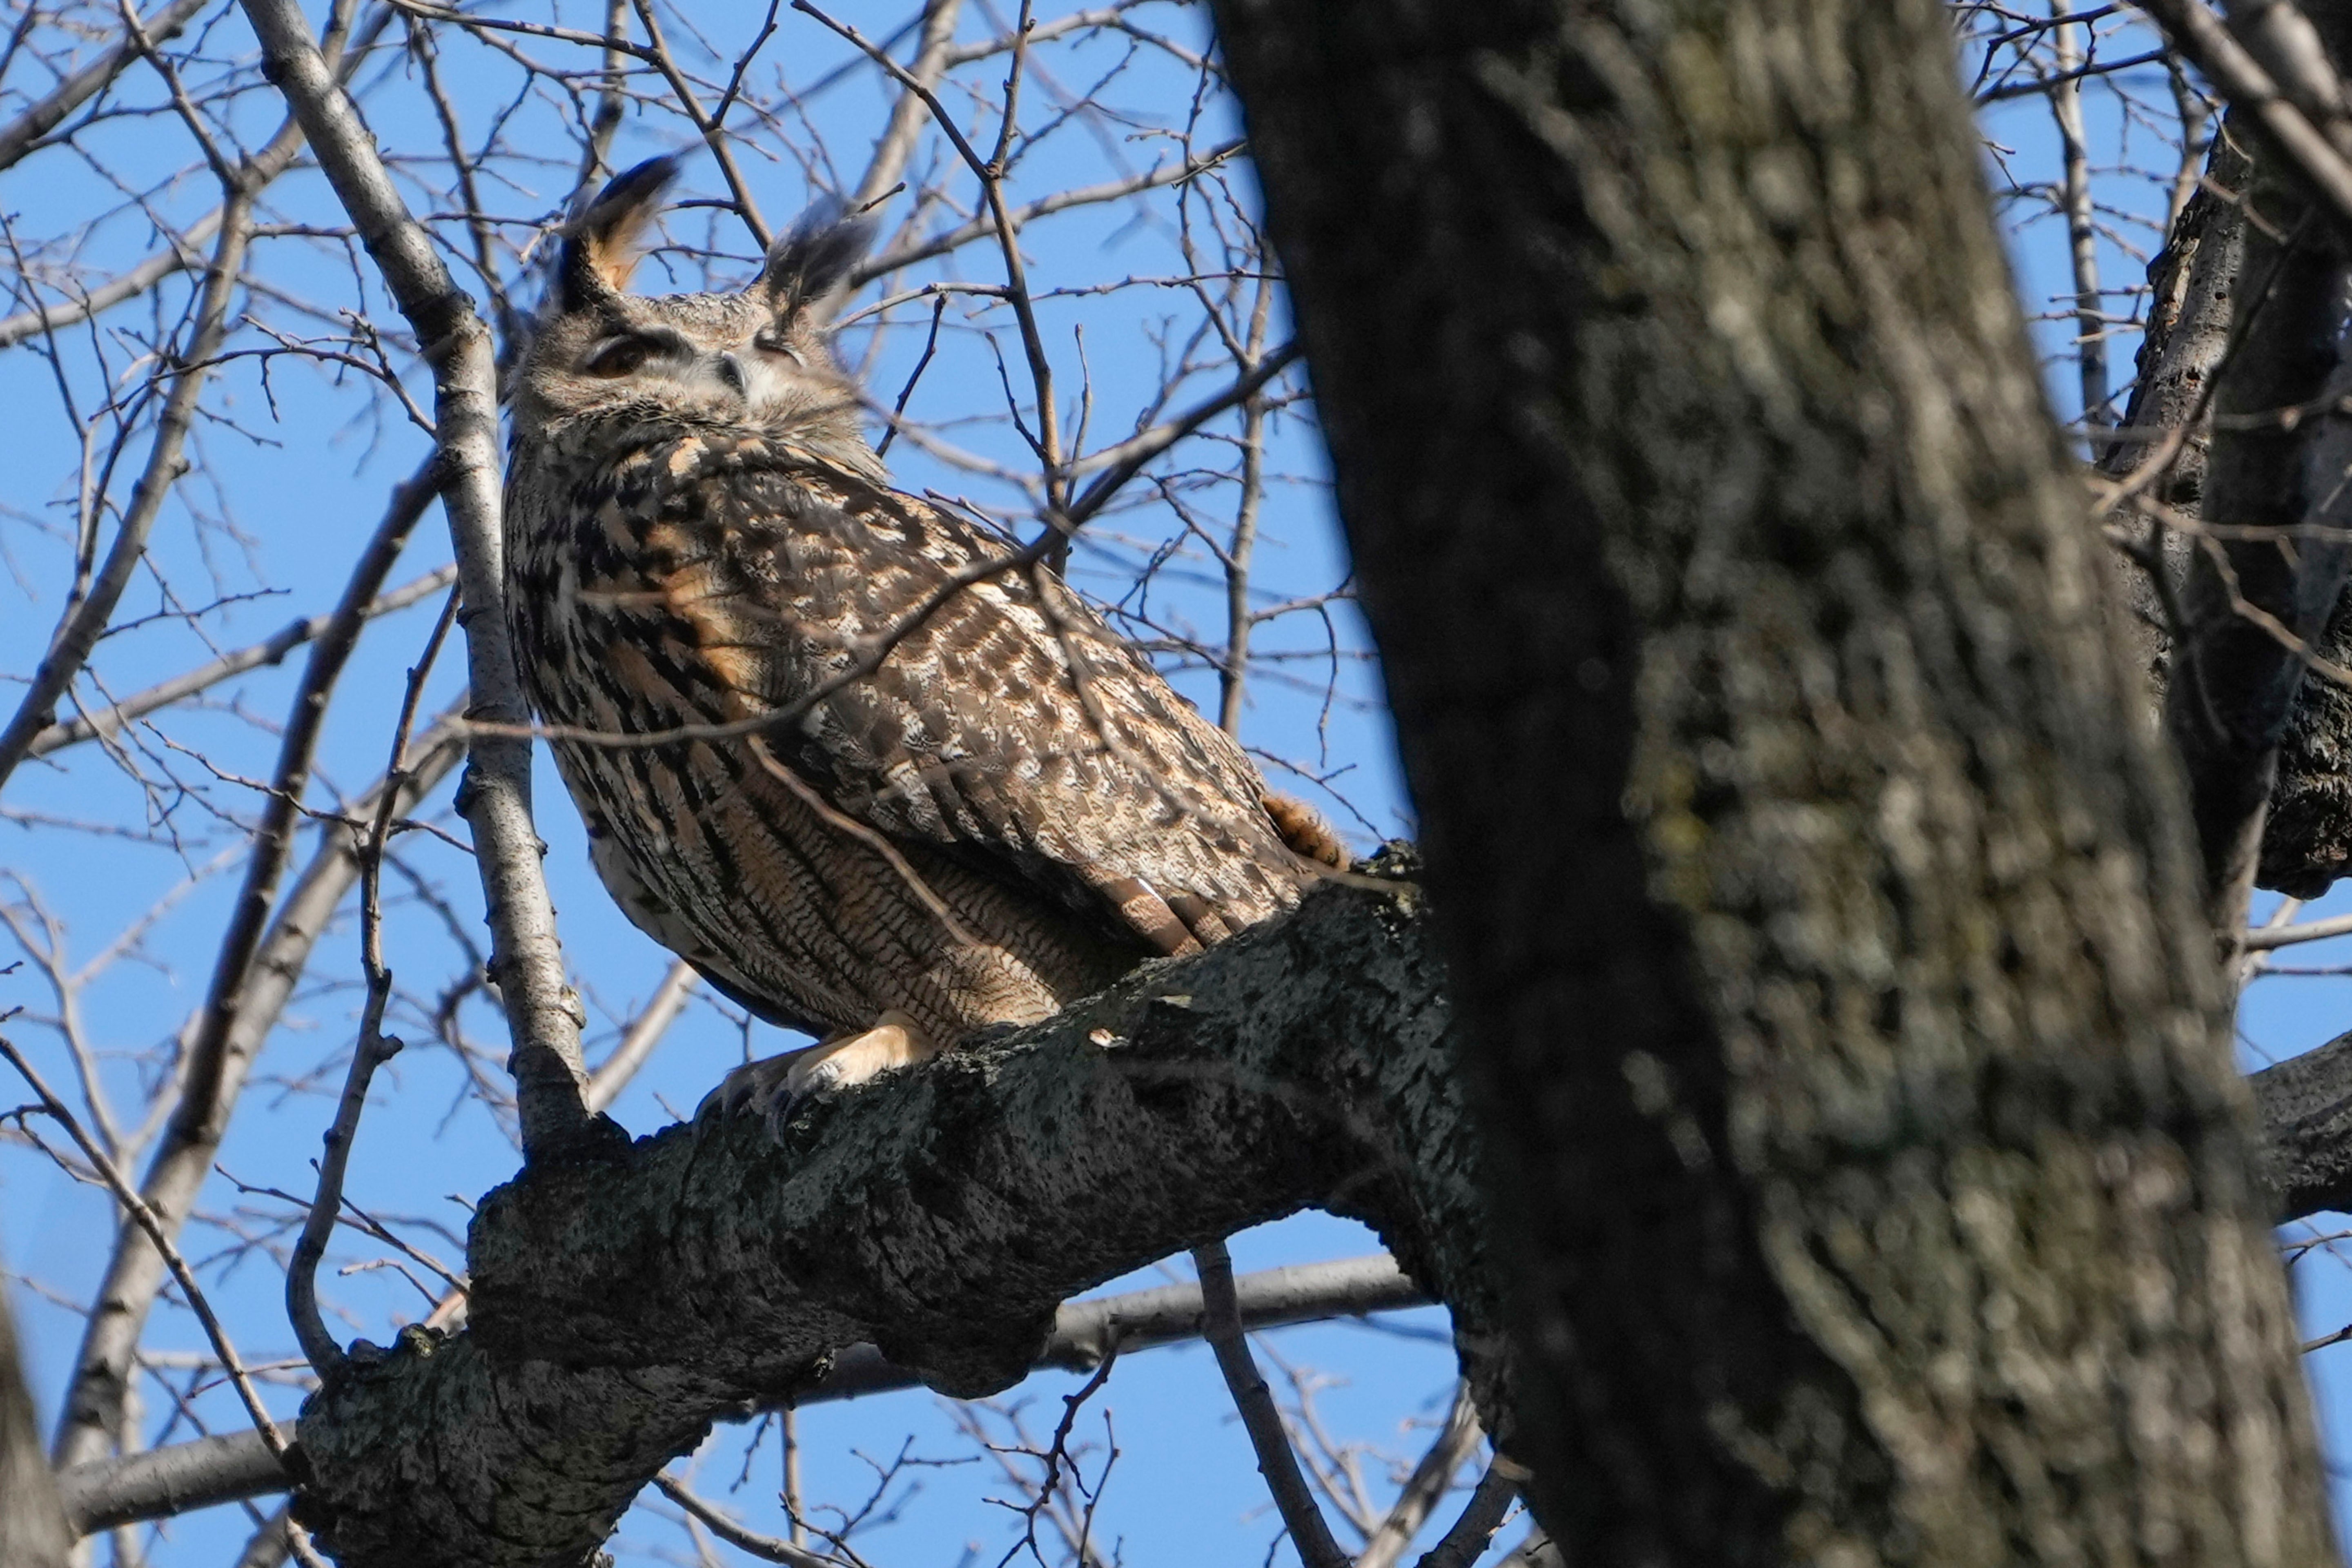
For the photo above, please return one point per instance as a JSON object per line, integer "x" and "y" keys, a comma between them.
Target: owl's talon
{"x": 779, "y": 1086}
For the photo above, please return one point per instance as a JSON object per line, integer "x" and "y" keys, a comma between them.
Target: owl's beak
{"x": 730, "y": 371}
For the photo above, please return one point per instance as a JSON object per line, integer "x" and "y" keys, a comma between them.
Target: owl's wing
{"x": 1006, "y": 725}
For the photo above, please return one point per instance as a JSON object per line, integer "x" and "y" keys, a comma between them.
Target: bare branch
{"x": 1466, "y": 1540}
{"x": 1275, "y": 1461}
{"x": 85, "y": 619}
{"x": 111, "y": 720}
{"x": 543, "y": 1014}
{"x": 162, "y": 1241}
{"x": 767, "y": 1548}
{"x": 644, "y": 1032}
{"x": 20, "y": 135}
{"x": 214, "y": 1071}
{"x": 1430, "y": 1480}
{"x": 2197, "y": 33}
{"x": 214, "y": 1079}
{"x": 170, "y": 1480}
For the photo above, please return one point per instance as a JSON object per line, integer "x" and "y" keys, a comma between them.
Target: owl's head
{"x": 759, "y": 358}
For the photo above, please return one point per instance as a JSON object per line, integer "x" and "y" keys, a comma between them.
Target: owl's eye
{"x": 622, "y": 356}
{"x": 775, "y": 342}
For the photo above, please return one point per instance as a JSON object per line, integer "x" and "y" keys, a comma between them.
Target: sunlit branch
{"x": 170, "y": 1480}
{"x": 543, "y": 1014}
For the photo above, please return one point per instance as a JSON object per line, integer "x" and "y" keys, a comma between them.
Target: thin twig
{"x": 767, "y": 1548}
{"x": 110, "y": 719}
{"x": 144, "y": 1217}
{"x": 1221, "y": 1323}
{"x": 78, "y": 632}
{"x": 372, "y": 1048}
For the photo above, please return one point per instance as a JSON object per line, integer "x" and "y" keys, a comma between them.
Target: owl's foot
{"x": 776, "y": 1085}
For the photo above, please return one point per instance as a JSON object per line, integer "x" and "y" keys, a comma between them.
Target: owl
{"x": 912, "y": 788}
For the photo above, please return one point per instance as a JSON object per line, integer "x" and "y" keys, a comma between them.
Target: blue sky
{"x": 293, "y": 469}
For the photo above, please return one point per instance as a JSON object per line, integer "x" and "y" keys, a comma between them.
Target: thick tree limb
{"x": 621, "y": 1302}
{"x": 2306, "y": 1108}
{"x": 2307, "y": 840}
{"x": 526, "y": 962}
{"x": 2160, "y": 451}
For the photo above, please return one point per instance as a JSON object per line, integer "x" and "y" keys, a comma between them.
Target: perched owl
{"x": 1005, "y": 811}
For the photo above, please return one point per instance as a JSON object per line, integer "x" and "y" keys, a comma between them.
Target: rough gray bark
{"x": 1869, "y": 1166}
{"x": 2272, "y": 579}
{"x": 2167, "y": 426}
{"x": 2306, "y": 841}
{"x": 621, "y": 1301}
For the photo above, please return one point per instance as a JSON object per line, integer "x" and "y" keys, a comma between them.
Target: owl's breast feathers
{"x": 1009, "y": 758}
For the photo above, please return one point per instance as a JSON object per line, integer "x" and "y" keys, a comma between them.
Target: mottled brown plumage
{"x": 1007, "y": 811}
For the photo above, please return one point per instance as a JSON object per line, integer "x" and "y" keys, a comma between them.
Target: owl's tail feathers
{"x": 1304, "y": 831}
{"x": 1139, "y": 907}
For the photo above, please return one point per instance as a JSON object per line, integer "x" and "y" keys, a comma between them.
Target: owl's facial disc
{"x": 761, "y": 378}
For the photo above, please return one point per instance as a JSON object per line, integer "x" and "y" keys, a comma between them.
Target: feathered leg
{"x": 777, "y": 1085}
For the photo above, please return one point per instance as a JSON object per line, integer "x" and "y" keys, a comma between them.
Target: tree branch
{"x": 20, "y": 135}
{"x": 543, "y": 1014}
{"x": 1310, "y": 1532}
{"x": 111, "y": 720}
{"x": 2198, "y": 34}
{"x": 1430, "y": 1480}
{"x": 163, "y": 1482}
{"x": 941, "y": 1216}
{"x": 85, "y": 615}
{"x": 220, "y": 1039}
{"x": 2232, "y": 682}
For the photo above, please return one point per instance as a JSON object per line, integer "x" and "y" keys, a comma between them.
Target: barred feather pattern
{"x": 1010, "y": 810}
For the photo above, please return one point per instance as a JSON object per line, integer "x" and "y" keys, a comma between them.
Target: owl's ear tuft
{"x": 600, "y": 246}
{"x": 808, "y": 269}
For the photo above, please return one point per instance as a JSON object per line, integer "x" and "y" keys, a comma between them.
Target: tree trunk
{"x": 32, "y": 1526}
{"x": 1873, "y": 1182}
